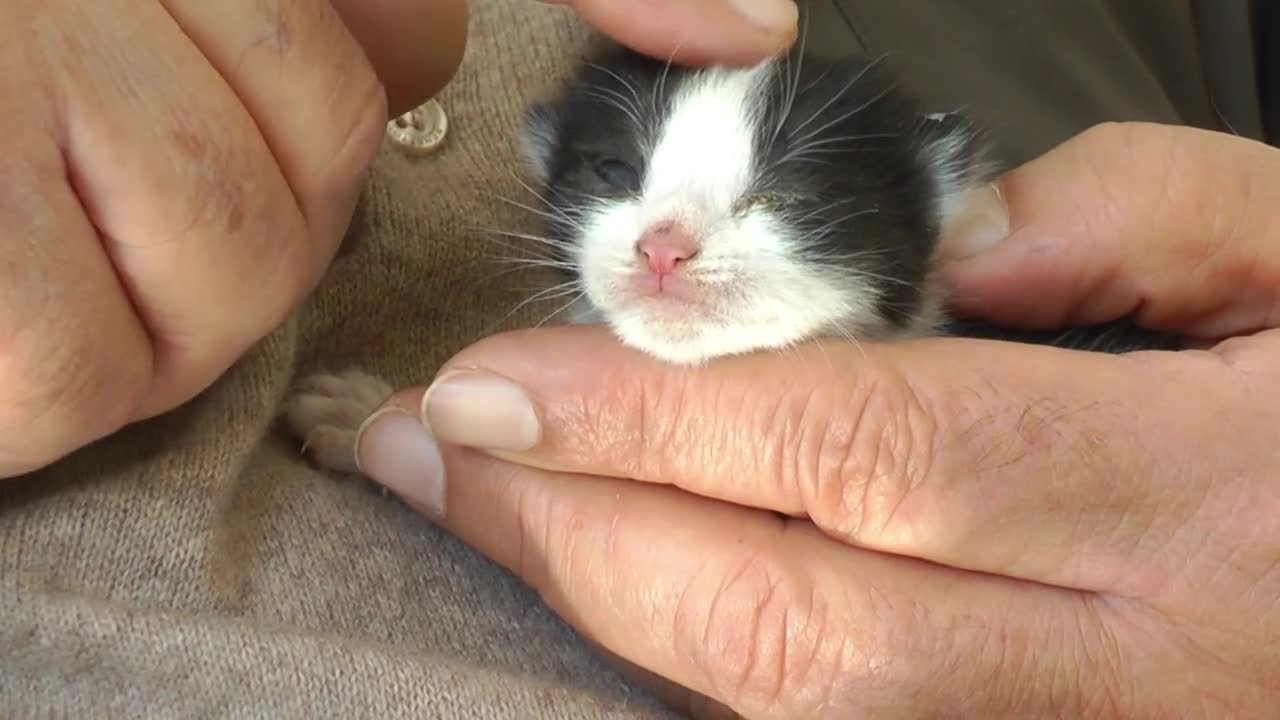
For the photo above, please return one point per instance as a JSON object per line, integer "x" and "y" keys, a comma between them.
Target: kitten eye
{"x": 618, "y": 174}
{"x": 765, "y": 201}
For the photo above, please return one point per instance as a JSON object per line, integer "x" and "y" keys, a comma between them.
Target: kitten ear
{"x": 540, "y": 136}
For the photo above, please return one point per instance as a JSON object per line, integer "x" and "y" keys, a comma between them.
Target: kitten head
{"x": 715, "y": 211}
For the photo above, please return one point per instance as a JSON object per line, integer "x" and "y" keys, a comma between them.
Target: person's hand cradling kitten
{"x": 895, "y": 530}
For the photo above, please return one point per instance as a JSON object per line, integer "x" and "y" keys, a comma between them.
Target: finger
{"x": 1175, "y": 224}
{"x": 763, "y": 615}
{"x": 73, "y": 357}
{"x": 1060, "y": 467}
{"x": 309, "y": 88}
{"x": 210, "y": 240}
{"x": 737, "y": 32}
{"x": 415, "y": 46}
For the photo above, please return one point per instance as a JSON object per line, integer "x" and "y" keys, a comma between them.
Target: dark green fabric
{"x": 1269, "y": 70}
{"x": 1040, "y": 71}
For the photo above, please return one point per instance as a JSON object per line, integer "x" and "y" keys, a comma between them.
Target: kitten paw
{"x": 326, "y": 410}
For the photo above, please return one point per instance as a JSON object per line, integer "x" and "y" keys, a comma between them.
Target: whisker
{"x": 527, "y": 254}
{"x": 561, "y": 309}
{"x": 660, "y": 88}
{"x": 849, "y": 85}
{"x": 831, "y": 224}
{"x": 798, "y": 219}
{"x": 849, "y": 114}
{"x": 555, "y": 292}
{"x": 529, "y": 263}
{"x": 612, "y": 101}
{"x": 556, "y": 215}
{"x": 521, "y": 236}
{"x": 556, "y": 193}
{"x": 625, "y": 83}
{"x": 816, "y": 146}
{"x": 533, "y": 252}
{"x": 792, "y": 88}
{"x": 822, "y": 142}
{"x": 848, "y": 335}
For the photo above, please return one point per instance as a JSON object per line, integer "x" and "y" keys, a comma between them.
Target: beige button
{"x": 421, "y": 130}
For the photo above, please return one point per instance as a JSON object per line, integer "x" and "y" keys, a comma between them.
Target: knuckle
{"x": 278, "y": 18}
{"x": 757, "y": 630}
{"x": 777, "y": 642}
{"x": 862, "y": 461}
{"x": 562, "y": 544}
{"x": 801, "y": 429}
{"x": 532, "y": 534}
{"x": 69, "y": 396}
{"x": 353, "y": 97}
{"x": 1091, "y": 675}
{"x": 653, "y": 423}
{"x": 226, "y": 197}
{"x": 214, "y": 167}
{"x": 347, "y": 93}
{"x": 360, "y": 134}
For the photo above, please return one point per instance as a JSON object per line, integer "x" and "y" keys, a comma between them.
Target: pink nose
{"x": 666, "y": 245}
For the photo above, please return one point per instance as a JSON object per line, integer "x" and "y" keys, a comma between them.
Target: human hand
{"x": 179, "y": 174}
{"x": 737, "y": 32}
{"x": 897, "y": 530}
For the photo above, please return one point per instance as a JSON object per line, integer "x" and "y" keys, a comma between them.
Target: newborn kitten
{"x": 707, "y": 212}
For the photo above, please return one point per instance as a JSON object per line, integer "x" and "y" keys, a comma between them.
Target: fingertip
{"x": 482, "y": 410}
{"x": 415, "y": 46}
{"x": 979, "y": 220}
{"x": 699, "y": 32}
{"x": 395, "y": 449}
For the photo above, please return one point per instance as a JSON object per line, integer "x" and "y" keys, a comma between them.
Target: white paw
{"x": 325, "y": 411}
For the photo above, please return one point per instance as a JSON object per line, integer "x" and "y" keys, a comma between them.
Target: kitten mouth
{"x": 676, "y": 298}
{"x": 673, "y": 288}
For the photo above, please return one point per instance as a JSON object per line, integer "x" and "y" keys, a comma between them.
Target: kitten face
{"x": 718, "y": 211}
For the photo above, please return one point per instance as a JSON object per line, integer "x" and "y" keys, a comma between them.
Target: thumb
{"x": 739, "y": 32}
{"x": 1173, "y": 225}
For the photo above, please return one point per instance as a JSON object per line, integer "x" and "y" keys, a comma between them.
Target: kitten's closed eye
{"x": 618, "y": 174}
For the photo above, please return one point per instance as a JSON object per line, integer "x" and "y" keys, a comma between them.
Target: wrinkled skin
{"x": 941, "y": 528}
{"x": 178, "y": 175}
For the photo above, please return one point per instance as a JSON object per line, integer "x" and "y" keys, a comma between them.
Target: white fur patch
{"x": 704, "y": 156}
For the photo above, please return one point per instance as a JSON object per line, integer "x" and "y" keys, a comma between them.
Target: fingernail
{"x": 980, "y": 224}
{"x": 773, "y": 16}
{"x": 395, "y": 450}
{"x": 482, "y": 411}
